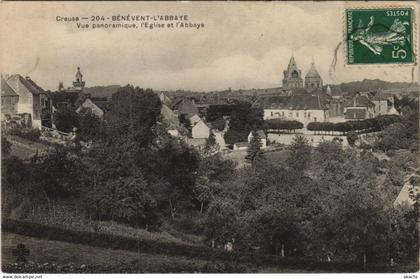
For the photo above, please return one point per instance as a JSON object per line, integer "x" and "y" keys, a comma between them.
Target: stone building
{"x": 23, "y": 96}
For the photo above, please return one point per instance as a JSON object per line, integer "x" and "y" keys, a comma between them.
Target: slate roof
{"x": 6, "y": 90}
{"x": 294, "y": 102}
{"x": 358, "y": 101}
{"x": 356, "y": 113}
{"x": 14, "y": 81}
{"x": 312, "y": 73}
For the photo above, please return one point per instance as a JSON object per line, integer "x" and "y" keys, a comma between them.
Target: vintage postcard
{"x": 209, "y": 137}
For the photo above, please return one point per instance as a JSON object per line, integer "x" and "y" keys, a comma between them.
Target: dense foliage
{"x": 367, "y": 125}
{"x": 66, "y": 119}
{"x": 326, "y": 202}
{"x": 279, "y": 124}
{"x": 243, "y": 119}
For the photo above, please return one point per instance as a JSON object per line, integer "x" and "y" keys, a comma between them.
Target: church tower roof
{"x": 313, "y": 72}
{"x": 79, "y": 76}
{"x": 79, "y": 83}
{"x": 292, "y": 76}
{"x": 292, "y": 64}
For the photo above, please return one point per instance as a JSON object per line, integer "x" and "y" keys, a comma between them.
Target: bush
{"x": 26, "y": 133}
{"x": 352, "y": 137}
{"x": 6, "y": 146}
{"x": 372, "y": 124}
{"x": 279, "y": 124}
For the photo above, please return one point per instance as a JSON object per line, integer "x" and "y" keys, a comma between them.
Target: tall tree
{"x": 134, "y": 111}
{"x": 255, "y": 154}
{"x": 211, "y": 146}
{"x": 300, "y": 154}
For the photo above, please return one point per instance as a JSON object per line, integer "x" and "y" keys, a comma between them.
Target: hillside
{"x": 373, "y": 84}
{"x": 364, "y": 85}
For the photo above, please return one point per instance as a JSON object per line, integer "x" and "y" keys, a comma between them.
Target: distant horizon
{"x": 211, "y": 91}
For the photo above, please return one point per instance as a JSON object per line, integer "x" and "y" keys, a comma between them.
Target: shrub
{"x": 279, "y": 124}
{"x": 6, "y": 146}
{"x": 26, "y": 133}
{"x": 352, "y": 137}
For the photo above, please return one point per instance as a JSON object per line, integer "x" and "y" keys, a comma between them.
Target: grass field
{"x": 46, "y": 251}
{"x": 277, "y": 157}
{"x": 25, "y": 149}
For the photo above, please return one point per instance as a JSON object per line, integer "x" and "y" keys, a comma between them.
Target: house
{"x": 241, "y": 146}
{"x": 262, "y": 136}
{"x": 169, "y": 116}
{"x": 359, "y": 107}
{"x": 185, "y": 108}
{"x": 23, "y": 96}
{"x": 194, "y": 120}
{"x": 92, "y": 106}
{"x": 304, "y": 108}
{"x": 384, "y": 103}
{"x": 9, "y": 99}
{"x": 200, "y": 130}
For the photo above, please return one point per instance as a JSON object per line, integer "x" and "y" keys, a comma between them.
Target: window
{"x": 309, "y": 115}
{"x": 314, "y": 119}
{"x": 271, "y": 113}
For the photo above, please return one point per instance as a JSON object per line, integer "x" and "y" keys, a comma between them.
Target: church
{"x": 293, "y": 77}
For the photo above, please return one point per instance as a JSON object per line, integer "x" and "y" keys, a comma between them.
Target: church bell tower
{"x": 292, "y": 76}
{"x": 79, "y": 83}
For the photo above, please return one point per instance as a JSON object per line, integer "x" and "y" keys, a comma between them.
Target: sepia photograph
{"x": 209, "y": 137}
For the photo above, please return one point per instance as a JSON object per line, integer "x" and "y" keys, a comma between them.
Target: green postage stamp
{"x": 380, "y": 36}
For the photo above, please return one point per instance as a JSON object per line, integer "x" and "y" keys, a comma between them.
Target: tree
{"x": 352, "y": 137}
{"x": 243, "y": 119}
{"x": 255, "y": 154}
{"x": 90, "y": 126}
{"x": 65, "y": 119}
{"x": 202, "y": 191}
{"x": 124, "y": 199}
{"x": 221, "y": 221}
{"x": 211, "y": 146}
{"x": 219, "y": 124}
{"x": 175, "y": 165}
{"x": 134, "y": 111}
{"x": 300, "y": 154}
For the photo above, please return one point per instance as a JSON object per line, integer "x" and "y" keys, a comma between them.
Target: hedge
{"x": 279, "y": 124}
{"x": 367, "y": 125}
{"x": 173, "y": 249}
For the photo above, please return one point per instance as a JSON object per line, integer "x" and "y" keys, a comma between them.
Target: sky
{"x": 243, "y": 45}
